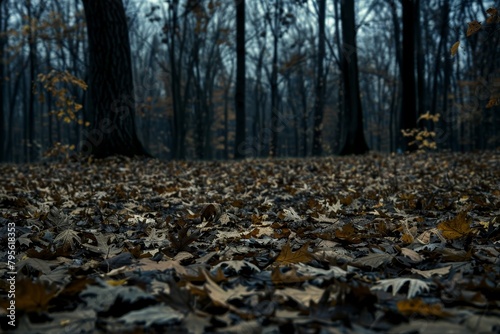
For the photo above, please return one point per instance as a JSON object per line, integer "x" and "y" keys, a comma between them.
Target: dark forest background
{"x": 231, "y": 79}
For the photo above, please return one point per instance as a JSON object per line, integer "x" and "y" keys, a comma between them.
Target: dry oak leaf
{"x": 473, "y": 27}
{"x": 455, "y": 228}
{"x": 302, "y": 296}
{"x": 415, "y": 286}
{"x": 278, "y": 277}
{"x": 348, "y": 232}
{"x": 429, "y": 273}
{"x": 287, "y": 256}
{"x": 418, "y": 306}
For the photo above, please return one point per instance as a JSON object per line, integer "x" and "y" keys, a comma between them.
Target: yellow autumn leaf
{"x": 118, "y": 282}
{"x": 454, "y": 48}
{"x": 473, "y": 27}
{"x": 455, "y": 228}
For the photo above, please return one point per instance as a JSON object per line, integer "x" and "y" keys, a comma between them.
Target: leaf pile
{"x": 370, "y": 244}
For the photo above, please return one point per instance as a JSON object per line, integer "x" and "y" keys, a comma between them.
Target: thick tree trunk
{"x": 111, "y": 86}
{"x": 354, "y": 142}
{"x": 239, "y": 145}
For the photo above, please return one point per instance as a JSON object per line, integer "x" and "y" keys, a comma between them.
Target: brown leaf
{"x": 287, "y": 256}
{"x": 454, "y": 48}
{"x": 418, "y": 307}
{"x": 33, "y": 296}
{"x": 455, "y": 228}
{"x": 473, "y": 27}
{"x": 278, "y": 277}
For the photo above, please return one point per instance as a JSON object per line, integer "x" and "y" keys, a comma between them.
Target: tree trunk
{"x": 354, "y": 142}
{"x": 408, "y": 118}
{"x": 273, "y": 149}
{"x": 111, "y": 86}
{"x": 3, "y": 130}
{"x": 320, "y": 83}
{"x": 239, "y": 144}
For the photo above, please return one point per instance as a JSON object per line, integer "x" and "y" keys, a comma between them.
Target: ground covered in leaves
{"x": 370, "y": 244}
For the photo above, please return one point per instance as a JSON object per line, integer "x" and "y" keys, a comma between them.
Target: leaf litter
{"x": 367, "y": 244}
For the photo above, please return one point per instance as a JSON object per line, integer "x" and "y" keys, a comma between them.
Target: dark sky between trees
{"x": 234, "y": 79}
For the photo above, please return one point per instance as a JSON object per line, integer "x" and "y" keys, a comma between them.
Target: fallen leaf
{"x": 287, "y": 256}
{"x": 455, "y": 228}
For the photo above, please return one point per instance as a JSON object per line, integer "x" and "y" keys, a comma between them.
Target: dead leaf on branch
{"x": 473, "y": 27}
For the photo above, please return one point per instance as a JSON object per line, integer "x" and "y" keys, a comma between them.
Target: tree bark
{"x": 408, "y": 118}
{"x": 3, "y": 130}
{"x": 354, "y": 142}
{"x": 239, "y": 98}
{"x": 111, "y": 86}
{"x": 320, "y": 83}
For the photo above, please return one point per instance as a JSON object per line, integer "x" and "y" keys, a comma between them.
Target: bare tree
{"x": 320, "y": 82}
{"x": 111, "y": 86}
{"x": 240, "y": 80}
{"x": 354, "y": 142}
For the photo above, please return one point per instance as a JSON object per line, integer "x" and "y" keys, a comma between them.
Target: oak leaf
{"x": 473, "y": 27}
{"x": 287, "y": 256}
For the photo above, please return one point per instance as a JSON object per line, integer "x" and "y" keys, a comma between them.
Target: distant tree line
{"x": 214, "y": 79}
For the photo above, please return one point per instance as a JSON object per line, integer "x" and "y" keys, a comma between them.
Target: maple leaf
{"x": 455, "y": 228}
{"x": 102, "y": 245}
{"x": 68, "y": 238}
{"x": 287, "y": 256}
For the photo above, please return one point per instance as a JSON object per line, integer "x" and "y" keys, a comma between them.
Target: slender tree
{"x": 408, "y": 116}
{"x": 240, "y": 80}
{"x": 354, "y": 142}
{"x": 111, "y": 87}
{"x": 3, "y": 130}
{"x": 320, "y": 81}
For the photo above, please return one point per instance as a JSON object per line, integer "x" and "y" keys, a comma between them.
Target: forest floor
{"x": 365, "y": 244}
